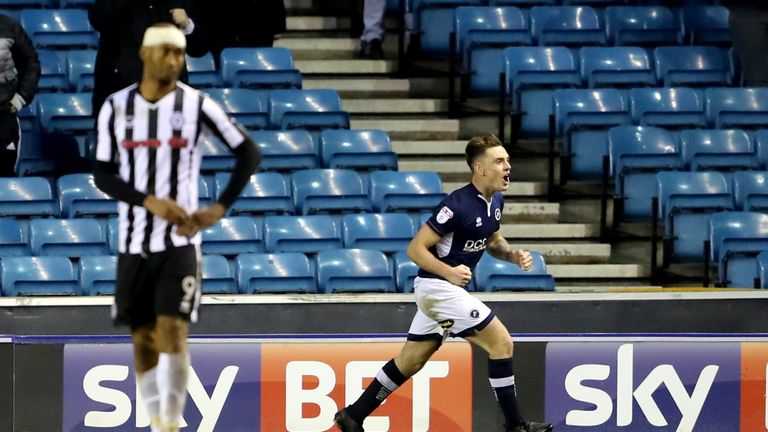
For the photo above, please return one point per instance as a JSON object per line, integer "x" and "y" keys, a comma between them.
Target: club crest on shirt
{"x": 444, "y": 214}
{"x": 498, "y": 214}
{"x": 177, "y": 120}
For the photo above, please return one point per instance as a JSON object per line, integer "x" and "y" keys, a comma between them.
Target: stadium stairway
{"x": 414, "y": 113}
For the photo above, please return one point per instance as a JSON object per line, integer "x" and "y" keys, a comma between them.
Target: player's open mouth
{"x": 506, "y": 179}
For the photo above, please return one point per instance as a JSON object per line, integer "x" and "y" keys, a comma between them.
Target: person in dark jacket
{"x": 748, "y": 21}
{"x": 19, "y": 74}
{"x": 121, "y": 25}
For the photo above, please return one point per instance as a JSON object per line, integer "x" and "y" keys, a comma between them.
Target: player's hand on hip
{"x": 166, "y": 209}
{"x": 460, "y": 275}
{"x": 202, "y": 218}
{"x": 180, "y": 18}
{"x": 523, "y": 259}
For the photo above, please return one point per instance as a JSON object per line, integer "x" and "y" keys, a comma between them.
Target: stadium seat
{"x": 266, "y": 67}
{"x": 286, "y": 150}
{"x": 353, "y": 270}
{"x": 79, "y": 196}
{"x": 53, "y": 275}
{"x": 566, "y": 25}
{"x": 113, "y": 235}
{"x": 265, "y": 193}
{"x": 679, "y": 107}
{"x": 50, "y": 154}
{"x": 641, "y": 25}
{"x": 405, "y": 272}
{"x": 329, "y": 190}
{"x": 247, "y": 106}
{"x": 737, "y": 107}
{"x": 357, "y": 149}
{"x": 98, "y": 275}
{"x": 762, "y": 269}
{"x": 492, "y": 274}
{"x": 67, "y": 237}
{"x": 616, "y": 66}
{"x": 750, "y": 190}
{"x": 75, "y": 3}
{"x": 705, "y": 24}
{"x": 434, "y": 22}
{"x": 202, "y": 71}
{"x": 232, "y": 236}
{"x": 80, "y": 68}
{"x": 217, "y": 277}
{"x": 275, "y": 273}
{"x": 12, "y": 238}
{"x": 307, "y": 234}
{"x": 717, "y": 149}
{"x": 65, "y": 112}
{"x": 28, "y": 117}
{"x": 59, "y": 28}
{"x": 523, "y": 3}
{"x": 28, "y": 196}
{"x": 393, "y": 191}
{"x": 761, "y": 146}
{"x": 53, "y": 76}
{"x": 204, "y": 192}
{"x": 736, "y": 238}
{"x": 216, "y": 155}
{"x": 388, "y": 232}
{"x": 692, "y": 66}
{"x": 686, "y": 200}
{"x": 307, "y": 109}
{"x": 582, "y": 119}
{"x": 636, "y": 153}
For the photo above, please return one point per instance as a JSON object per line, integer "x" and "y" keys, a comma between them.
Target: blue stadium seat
{"x": 354, "y": 270}
{"x": 65, "y": 112}
{"x": 434, "y": 22}
{"x": 12, "y": 238}
{"x": 113, "y": 235}
{"x": 636, "y": 154}
{"x": 393, "y": 191}
{"x": 265, "y": 193}
{"x": 641, "y": 25}
{"x": 67, "y": 237}
{"x": 761, "y": 146}
{"x": 202, "y": 71}
{"x": 717, "y": 149}
{"x": 762, "y": 269}
{"x": 80, "y": 68}
{"x": 692, "y": 66}
{"x": 216, "y": 155}
{"x": 307, "y": 109}
{"x": 59, "y": 28}
{"x": 679, "y": 107}
{"x": 566, "y": 25}
{"x": 705, "y": 24}
{"x": 28, "y": 196}
{"x": 737, "y": 107}
{"x": 232, "y": 236}
{"x": 247, "y": 106}
{"x": 275, "y": 273}
{"x": 75, "y": 3}
{"x": 98, "y": 275}
{"x": 405, "y": 272}
{"x": 266, "y": 67}
{"x": 387, "y": 232}
{"x": 616, "y": 66}
{"x": 750, "y": 190}
{"x": 53, "y": 76}
{"x": 582, "y": 118}
{"x": 204, "y": 192}
{"x": 357, "y": 149}
{"x": 286, "y": 150}
{"x": 13, "y": 13}
{"x": 736, "y": 238}
{"x": 217, "y": 277}
{"x": 307, "y": 234}
{"x": 79, "y": 196}
{"x": 686, "y": 200}
{"x": 492, "y": 274}
{"x": 28, "y": 117}
{"x": 38, "y": 276}
{"x": 523, "y": 3}
{"x": 50, "y": 154}
{"x": 329, "y": 190}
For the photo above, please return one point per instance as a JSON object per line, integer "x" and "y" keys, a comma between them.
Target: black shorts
{"x": 161, "y": 283}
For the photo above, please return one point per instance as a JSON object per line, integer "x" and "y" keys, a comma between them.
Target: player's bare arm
{"x": 418, "y": 252}
{"x": 499, "y": 248}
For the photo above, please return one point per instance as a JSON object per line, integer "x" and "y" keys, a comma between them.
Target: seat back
{"x": 217, "y": 276}
{"x": 405, "y": 191}
{"x": 750, "y": 190}
{"x": 719, "y": 149}
{"x": 202, "y": 71}
{"x": 275, "y": 273}
{"x": 329, "y": 190}
{"x": 492, "y": 274}
{"x": 286, "y": 150}
{"x": 67, "y": 237}
{"x": 80, "y": 68}
{"x": 307, "y": 109}
{"x": 669, "y": 107}
{"x": 54, "y": 275}
{"x": 539, "y": 66}
{"x": 50, "y": 154}
{"x": 79, "y": 196}
{"x": 65, "y": 112}
{"x": 616, "y": 66}
{"x": 357, "y": 149}
{"x": 641, "y": 25}
{"x": 98, "y": 275}
{"x": 434, "y": 21}
{"x": 692, "y": 66}
{"x": 762, "y": 269}
{"x": 354, "y": 270}
{"x": 216, "y": 155}
{"x": 59, "y": 28}
{"x": 737, "y": 107}
{"x": 589, "y": 108}
{"x": 705, "y": 24}
{"x": 566, "y": 25}
{"x": 387, "y": 232}
{"x": 26, "y": 196}
{"x": 267, "y": 67}
{"x": 307, "y": 234}
{"x": 53, "y": 76}
{"x": 265, "y": 193}
{"x": 12, "y": 238}
{"x": 232, "y": 236}
{"x": 736, "y": 239}
{"x": 405, "y": 272}
{"x": 247, "y": 106}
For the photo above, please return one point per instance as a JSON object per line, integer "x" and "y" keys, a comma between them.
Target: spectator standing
{"x": 373, "y": 29}
{"x": 748, "y": 21}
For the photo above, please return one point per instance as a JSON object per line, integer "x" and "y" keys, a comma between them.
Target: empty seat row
{"x": 332, "y": 271}
{"x": 45, "y": 3}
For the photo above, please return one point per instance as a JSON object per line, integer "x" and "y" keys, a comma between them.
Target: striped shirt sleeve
{"x": 106, "y": 145}
{"x": 220, "y": 124}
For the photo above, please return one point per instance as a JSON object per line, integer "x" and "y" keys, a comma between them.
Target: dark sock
{"x": 387, "y": 380}
{"x": 502, "y": 377}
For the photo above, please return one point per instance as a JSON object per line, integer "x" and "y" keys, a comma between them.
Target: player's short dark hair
{"x": 477, "y": 146}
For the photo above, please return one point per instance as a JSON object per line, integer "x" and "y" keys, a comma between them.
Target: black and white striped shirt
{"x": 156, "y": 148}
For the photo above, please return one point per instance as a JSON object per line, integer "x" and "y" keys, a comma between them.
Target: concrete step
{"x": 531, "y": 212}
{"x": 325, "y": 48}
{"x": 569, "y": 253}
{"x": 418, "y": 148}
{"x": 345, "y": 67}
{"x": 597, "y": 271}
{"x": 327, "y": 23}
{"x": 522, "y": 169}
{"x": 380, "y": 87}
{"x": 412, "y": 129}
{"x": 395, "y": 106}
{"x": 549, "y": 231}
{"x": 515, "y": 188}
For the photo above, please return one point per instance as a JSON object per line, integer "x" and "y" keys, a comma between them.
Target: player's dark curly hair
{"x": 477, "y": 146}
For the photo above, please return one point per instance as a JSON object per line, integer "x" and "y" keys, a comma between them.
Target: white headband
{"x": 155, "y": 36}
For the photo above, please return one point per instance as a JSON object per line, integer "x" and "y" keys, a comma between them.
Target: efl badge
{"x": 498, "y": 214}
{"x": 444, "y": 214}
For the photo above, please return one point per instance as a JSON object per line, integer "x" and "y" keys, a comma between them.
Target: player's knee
{"x": 503, "y": 348}
{"x": 171, "y": 333}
